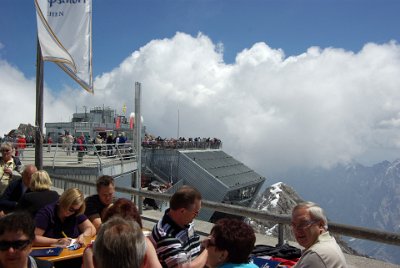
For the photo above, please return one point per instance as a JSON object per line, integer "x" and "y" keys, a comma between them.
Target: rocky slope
{"x": 279, "y": 198}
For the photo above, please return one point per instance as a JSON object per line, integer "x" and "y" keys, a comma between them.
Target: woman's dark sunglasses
{"x": 17, "y": 245}
{"x": 72, "y": 210}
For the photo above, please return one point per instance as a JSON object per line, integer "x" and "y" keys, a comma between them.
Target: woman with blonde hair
{"x": 56, "y": 223}
{"x": 39, "y": 194}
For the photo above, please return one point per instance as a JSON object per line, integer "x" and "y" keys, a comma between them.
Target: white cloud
{"x": 316, "y": 109}
{"x": 18, "y": 99}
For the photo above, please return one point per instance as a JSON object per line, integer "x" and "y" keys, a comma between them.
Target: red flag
{"x": 131, "y": 122}
{"x": 118, "y": 123}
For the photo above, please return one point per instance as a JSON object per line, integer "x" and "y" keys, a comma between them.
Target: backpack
{"x": 285, "y": 251}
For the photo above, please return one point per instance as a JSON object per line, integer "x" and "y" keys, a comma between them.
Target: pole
{"x": 178, "y": 127}
{"x": 138, "y": 127}
{"x": 85, "y": 112}
{"x": 39, "y": 108}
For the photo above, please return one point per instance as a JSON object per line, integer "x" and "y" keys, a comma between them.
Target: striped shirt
{"x": 173, "y": 243}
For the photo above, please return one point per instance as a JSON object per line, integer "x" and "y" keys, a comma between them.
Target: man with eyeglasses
{"x": 174, "y": 238}
{"x": 9, "y": 165}
{"x": 310, "y": 228}
{"x": 16, "y": 236}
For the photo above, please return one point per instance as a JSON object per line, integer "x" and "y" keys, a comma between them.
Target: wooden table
{"x": 67, "y": 254}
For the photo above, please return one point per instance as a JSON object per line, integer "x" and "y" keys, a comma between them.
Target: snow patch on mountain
{"x": 275, "y": 189}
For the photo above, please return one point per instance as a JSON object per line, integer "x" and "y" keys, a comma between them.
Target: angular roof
{"x": 224, "y": 167}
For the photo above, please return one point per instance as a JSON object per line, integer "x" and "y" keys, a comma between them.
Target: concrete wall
{"x": 91, "y": 174}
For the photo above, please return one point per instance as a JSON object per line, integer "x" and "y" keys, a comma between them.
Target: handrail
{"x": 98, "y": 156}
{"x": 62, "y": 154}
{"x": 342, "y": 229}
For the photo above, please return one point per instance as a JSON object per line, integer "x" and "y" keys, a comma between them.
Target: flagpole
{"x": 138, "y": 127}
{"x": 39, "y": 108}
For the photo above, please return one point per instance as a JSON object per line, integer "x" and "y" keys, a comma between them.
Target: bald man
{"x": 15, "y": 190}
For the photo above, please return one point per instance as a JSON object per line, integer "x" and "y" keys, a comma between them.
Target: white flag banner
{"x": 65, "y": 36}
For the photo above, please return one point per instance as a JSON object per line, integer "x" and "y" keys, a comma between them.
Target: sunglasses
{"x": 16, "y": 245}
{"x": 73, "y": 210}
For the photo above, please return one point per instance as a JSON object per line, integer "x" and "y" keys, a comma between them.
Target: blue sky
{"x": 122, "y": 26}
{"x": 283, "y": 83}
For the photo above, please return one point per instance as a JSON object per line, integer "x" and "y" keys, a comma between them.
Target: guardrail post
{"x": 54, "y": 156}
{"x": 117, "y": 150}
{"x": 280, "y": 234}
{"x": 98, "y": 156}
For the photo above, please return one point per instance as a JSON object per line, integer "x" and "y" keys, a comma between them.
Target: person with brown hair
{"x": 124, "y": 208}
{"x": 230, "y": 244}
{"x": 16, "y": 236}
{"x": 127, "y": 210}
{"x": 97, "y": 204}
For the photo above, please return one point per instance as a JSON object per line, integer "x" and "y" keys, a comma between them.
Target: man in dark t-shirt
{"x": 97, "y": 204}
{"x": 14, "y": 191}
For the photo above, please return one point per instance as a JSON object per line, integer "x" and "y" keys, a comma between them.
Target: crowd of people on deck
{"x": 102, "y": 145}
{"x": 107, "y": 144}
{"x": 31, "y": 214}
{"x": 151, "y": 141}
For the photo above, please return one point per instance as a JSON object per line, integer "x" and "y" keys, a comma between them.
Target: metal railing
{"x": 96, "y": 155}
{"x": 341, "y": 229}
